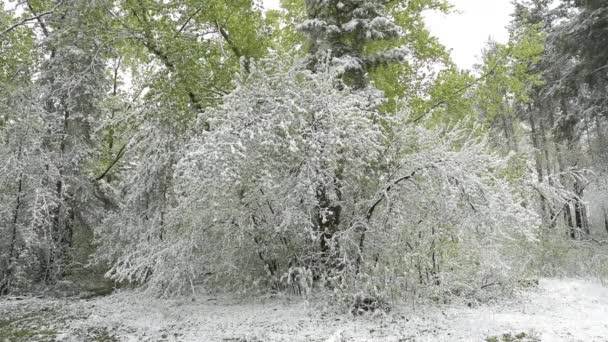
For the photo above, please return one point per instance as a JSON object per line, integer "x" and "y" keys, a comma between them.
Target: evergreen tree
{"x": 345, "y": 29}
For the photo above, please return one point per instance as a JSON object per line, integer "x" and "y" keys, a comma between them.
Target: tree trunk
{"x": 602, "y": 144}
{"x": 547, "y": 159}
{"x": 60, "y": 221}
{"x": 567, "y": 210}
{"x": 509, "y": 131}
{"x": 328, "y": 222}
{"x": 580, "y": 210}
{"x": 605, "y": 219}
{"x": 538, "y": 163}
{"x": 578, "y": 217}
{"x": 569, "y": 222}
{"x": 5, "y": 285}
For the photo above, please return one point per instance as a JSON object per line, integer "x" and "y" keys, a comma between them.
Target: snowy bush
{"x": 24, "y": 201}
{"x": 453, "y": 228}
{"x": 299, "y": 186}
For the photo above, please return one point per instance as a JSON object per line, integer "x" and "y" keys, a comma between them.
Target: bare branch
{"x": 36, "y": 17}
{"x": 119, "y": 156}
{"x": 188, "y": 21}
{"x": 39, "y": 17}
{"x": 228, "y": 40}
{"x": 589, "y": 237}
{"x": 371, "y": 210}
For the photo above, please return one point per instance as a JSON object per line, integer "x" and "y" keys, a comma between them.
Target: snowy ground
{"x": 558, "y": 310}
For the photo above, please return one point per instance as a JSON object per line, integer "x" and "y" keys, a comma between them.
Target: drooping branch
{"x": 388, "y": 188}
{"x": 588, "y": 237}
{"x": 118, "y": 157}
{"x": 381, "y": 198}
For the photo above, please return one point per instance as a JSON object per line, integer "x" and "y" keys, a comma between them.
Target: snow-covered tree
{"x": 345, "y": 28}
{"x": 21, "y": 191}
{"x": 248, "y": 192}
{"x": 50, "y": 144}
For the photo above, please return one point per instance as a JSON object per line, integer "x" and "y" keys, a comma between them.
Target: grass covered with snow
{"x": 556, "y": 310}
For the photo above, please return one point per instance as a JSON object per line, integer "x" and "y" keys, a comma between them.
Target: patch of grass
{"x": 23, "y": 327}
{"x": 241, "y": 339}
{"x": 101, "y": 335}
{"x": 9, "y": 332}
{"x": 509, "y": 337}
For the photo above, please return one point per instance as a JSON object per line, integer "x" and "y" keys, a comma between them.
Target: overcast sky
{"x": 466, "y": 32}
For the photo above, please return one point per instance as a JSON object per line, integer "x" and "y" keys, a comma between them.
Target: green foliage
{"x": 397, "y": 80}
{"x": 286, "y": 39}
{"x": 198, "y": 45}
{"x": 21, "y": 329}
{"x": 557, "y": 255}
{"x": 510, "y": 76}
{"x": 449, "y": 103}
{"x": 16, "y": 61}
{"x": 404, "y": 83}
{"x": 16, "y": 48}
{"x": 530, "y": 336}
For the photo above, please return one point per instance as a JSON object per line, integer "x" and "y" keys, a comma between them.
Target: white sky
{"x": 467, "y": 31}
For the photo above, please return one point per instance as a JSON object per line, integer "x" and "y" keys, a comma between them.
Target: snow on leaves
{"x": 246, "y": 192}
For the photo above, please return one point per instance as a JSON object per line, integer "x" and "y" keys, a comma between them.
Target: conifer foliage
{"x": 345, "y": 28}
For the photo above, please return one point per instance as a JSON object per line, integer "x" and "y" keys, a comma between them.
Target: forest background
{"x": 330, "y": 147}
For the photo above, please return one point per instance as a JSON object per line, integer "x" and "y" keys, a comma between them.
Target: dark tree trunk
{"x": 606, "y": 219}
{"x": 547, "y": 160}
{"x": 5, "y": 285}
{"x": 580, "y": 210}
{"x": 603, "y": 145}
{"x": 568, "y": 220}
{"x": 328, "y": 222}
{"x": 578, "y": 215}
{"x": 538, "y": 163}
{"x": 434, "y": 259}
{"x": 62, "y": 229}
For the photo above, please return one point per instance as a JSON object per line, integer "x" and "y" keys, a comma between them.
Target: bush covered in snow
{"x": 295, "y": 184}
